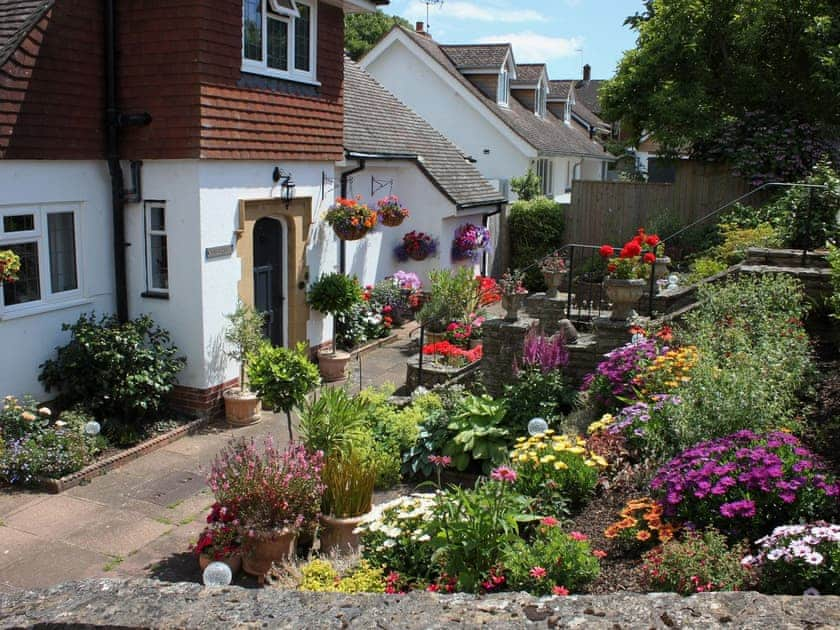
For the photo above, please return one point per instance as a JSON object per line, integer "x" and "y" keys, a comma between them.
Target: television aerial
{"x": 428, "y": 4}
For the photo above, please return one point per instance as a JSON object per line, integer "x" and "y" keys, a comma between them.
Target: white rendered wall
{"x": 26, "y": 341}
{"x": 416, "y": 85}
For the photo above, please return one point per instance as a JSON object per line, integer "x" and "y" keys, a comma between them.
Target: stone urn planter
{"x": 660, "y": 267}
{"x": 512, "y": 302}
{"x": 337, "y": 534}
{"x": 266, "y": 549}
{"x": 624, "y": 295}
{"x": 554, "y": 280}
{"x": 233, "y": 562}
{"x": 241, "y": 408}
{"x": 333, "y": 365}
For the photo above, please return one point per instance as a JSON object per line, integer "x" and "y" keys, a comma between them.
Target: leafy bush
{"x": 282, "y": 377}
{"x": 536, "y": 229}
{"x": 699, "y": 563}
{"x": 480, "y": 436}
{"x": 528, "y": 186}
{"x": 745, "y": 483}
{"x": 244, "y": 335}
{"x": 333, "y": 422}
{"x": 735, "y": 241}
{"x": 797, "y": 559}
{"x": 557, "y": 470}
{"x": 554, "y": 562}
{"x": 456, "y": 296}
{"x": 320, "y": 576}
{"x": 834, "y": 264}
{"x": 649, "y": 428}
{"x": 334, "y": 293}
{"x": 538, "y": 395}
{"x": 115, "y": 370}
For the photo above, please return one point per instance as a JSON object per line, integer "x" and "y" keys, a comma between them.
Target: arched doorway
{"x": 269, "y": 274}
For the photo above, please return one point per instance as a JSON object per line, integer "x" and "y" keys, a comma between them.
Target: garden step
{"x": 785, "y": 257}
{"x": 801, "y": 272}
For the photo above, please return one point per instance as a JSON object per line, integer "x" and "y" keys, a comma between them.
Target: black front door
{"x": 268, "y": 276}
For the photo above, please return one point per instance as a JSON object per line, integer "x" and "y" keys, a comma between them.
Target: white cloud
{"x": 461, "y": 10}
{"x": 535, "y": 48}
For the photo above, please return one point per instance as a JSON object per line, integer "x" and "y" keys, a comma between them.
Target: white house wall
{"x": 416, "y": 85}
{"x": 26, "y": 341}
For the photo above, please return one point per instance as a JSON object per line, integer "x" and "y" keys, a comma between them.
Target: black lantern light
{"x": 287, "y": 186}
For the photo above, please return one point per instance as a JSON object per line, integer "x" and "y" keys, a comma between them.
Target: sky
{"x": 564, "y": 34}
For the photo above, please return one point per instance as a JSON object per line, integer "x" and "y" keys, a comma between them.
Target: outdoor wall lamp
{"x": 287, "y": 186}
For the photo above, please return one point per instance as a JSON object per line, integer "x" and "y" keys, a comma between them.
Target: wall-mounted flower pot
{"x": 241, "y": 408}
{"x": 624, "y": 295}
{"x": 333, "y": 365}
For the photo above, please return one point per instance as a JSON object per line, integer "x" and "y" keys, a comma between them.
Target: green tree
{"x": 709, "y": 75}
{"x": 363, "y": 30}
{"x": 528, "y": 186}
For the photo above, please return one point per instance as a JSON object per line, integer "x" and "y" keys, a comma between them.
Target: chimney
{"x": 587, "y": 72}
{"x": 419, "y": 27}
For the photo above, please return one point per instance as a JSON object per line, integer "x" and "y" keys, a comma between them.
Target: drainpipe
{"x": 345, "y": 177}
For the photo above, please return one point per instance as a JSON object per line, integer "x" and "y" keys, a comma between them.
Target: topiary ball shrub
{"x": 334, "y": 293}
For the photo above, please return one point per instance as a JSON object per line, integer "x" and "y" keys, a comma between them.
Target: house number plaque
{"x": 220, "y": 251}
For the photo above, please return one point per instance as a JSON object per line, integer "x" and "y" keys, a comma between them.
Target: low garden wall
{"x": 146, "y": 603}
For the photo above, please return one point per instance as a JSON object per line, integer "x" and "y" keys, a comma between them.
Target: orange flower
{"x": 611, "y": 532}
{"x": 643, "y": 535}
{"x": 626, "y": 523}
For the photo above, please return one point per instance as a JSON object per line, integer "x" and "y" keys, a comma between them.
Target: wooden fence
{"x": 610, "y": 212}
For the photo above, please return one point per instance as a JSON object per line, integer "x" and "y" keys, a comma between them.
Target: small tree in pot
{"x": 244, "y": 336}
{"x": 333, "y": 294}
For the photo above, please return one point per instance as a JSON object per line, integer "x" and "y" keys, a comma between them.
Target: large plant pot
{"x": 554, "y": 280}
{"x": 624, "y": 295}
{"x": 241, "y": 408}
{"x": 234, "y": 562}
{"x": 660, "y": 268}
{"x": 512, "y": 303}
{"x": 333, "y": 365}
{"x": 337, "y": 534}
{"x": 266, "y": 549}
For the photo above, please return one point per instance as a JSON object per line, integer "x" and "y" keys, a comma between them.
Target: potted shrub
{"x": 348, "y": 495}
{"x": 456, "y": 295}
{"x": 553, "y": 268}
{"x": 333, "y": 294}
{"x": 275, "y": 494}
{"x": 244, "y": 335}
{"x": 220, "y": 540}
{"x": 391, "y": 212}
{"x": 513, "y": 294}
{"x": 9, "y": 266}
{"x": 350, "y": 219}
{"x": 282, "y": 377}
{"x": 627, "y": 273}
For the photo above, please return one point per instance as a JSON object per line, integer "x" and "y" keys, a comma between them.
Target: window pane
{"x": 158, "y": 218}
{"x": 19, "y": 223}
{"x": 27, "y": 288}
{"x": 62, "y": 237}
{"x": 302, "y": 25}
{"x": 278, "y": 44}
{"x": 252, "y": 29}
{"x": 160, "y": 265}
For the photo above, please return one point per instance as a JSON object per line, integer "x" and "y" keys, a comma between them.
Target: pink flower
{"x": 599, "y": 553}
{"x": 578, "y": 536}
{"x": 560, "y": 590}
{"x": 440, "y": 460}
{"x": 538, "y": 573}
{"x": 503, "y": 473}
{"x": 550, "y": 521}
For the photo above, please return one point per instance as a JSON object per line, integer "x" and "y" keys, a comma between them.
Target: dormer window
{"x": 503, "y": 89}
{"x": 279, "y": 38}
{"x": 541, "y": 96}
{"x": 567, "y": 112}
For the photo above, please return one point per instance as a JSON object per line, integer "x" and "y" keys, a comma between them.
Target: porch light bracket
{"x": 287, "y": 186}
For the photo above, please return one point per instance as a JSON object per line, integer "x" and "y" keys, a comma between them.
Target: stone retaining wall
{"x": 149, "y": 604}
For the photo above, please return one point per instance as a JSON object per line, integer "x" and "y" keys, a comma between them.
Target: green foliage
{"x": 349, "y": 481}
{"x": 282, "y": 377}
{"x": 363, "y": 30}
{"x": 695, "y": 239}
{"x": 567, "y": 561}
{"x": 700, "y": 562}
{"x": 334, "y": 422}
{"x": 244, "y": 334}
{"x": 834, "y": 264}
{"x": 705, "y": 267}
{"x": 320, "y": 576}
{"x": 538, "y": 395}
{"x": 454, "y": 296}
{"x": 334, "y": 293}
{"x": 536, "y": 229}
{"x": 528, "y": 186}
{"x": 735, "y": 241}
{"x": 117, "y": 371}
{"x": 479, "y": 435}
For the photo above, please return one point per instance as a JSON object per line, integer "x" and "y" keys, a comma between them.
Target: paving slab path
{"x": 139, "y": 520}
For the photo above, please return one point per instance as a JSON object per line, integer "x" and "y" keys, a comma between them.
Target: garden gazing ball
{"x": 92, "y": 428}
{"x": 217, "y": 574}
{"x": 537, "y": 426}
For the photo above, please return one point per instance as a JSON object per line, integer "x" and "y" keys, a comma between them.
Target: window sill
{"x": 40, "y": 309}
{"x": 155, "y": 295}
{"x": 278, "y": 74}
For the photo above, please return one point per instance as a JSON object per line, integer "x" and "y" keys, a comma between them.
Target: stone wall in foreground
{"x": 126, "y": 604}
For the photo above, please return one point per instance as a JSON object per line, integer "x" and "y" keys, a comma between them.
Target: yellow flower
{"x": 599, "y": 460}
{"x": 577, "y": 450}
{"x": 547, "y": 459}
{"x": 558, "y": 465}
{"x": 523, "y": 458}
{"x": 590, "y": 463}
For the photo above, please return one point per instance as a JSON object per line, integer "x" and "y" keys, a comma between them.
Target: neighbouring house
{"x": 493, "y": 109}
{"x": 167, "y": 157}
{"x": 564, "y": 105}
{"x": 392, "y": 150}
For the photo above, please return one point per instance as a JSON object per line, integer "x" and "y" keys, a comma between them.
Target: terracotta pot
{"x": 266, "y": 549}
{"x": 624, "y": 295}
{"x": 241, "y": 409}
{"x": 333, "y": 365}
{"x": 391, "y": 220}
{"x": 512, "y": 303}
{"x": 660, "y": 268}
{"x": 554, "y": 280}
{"x": 337, "y": 534}
{"x": 234, "y": 562}
{"x": 351, "y": 234}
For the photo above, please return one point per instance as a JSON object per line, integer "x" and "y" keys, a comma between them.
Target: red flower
{"x": 599, "y": 553}
{"x": 612, "y": 267}
{"x": 607, "y": 251}
{"x": 549, "y": 521}
{"x": 631, "y": 249}
{"x": 578, "y": 536}
{"x": 650, "y": 258}
{"x": 652, "y": 240}
{"x": 560, "y": 590}
{"x": 666, "y": 334}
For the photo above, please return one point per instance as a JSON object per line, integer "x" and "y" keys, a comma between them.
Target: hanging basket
{"x": 417, "y": 255}
{"x": 353, "y": 233}
{"x": 391, "y": 220}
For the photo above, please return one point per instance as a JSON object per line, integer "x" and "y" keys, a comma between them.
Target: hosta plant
{"x": 477, "y": 423}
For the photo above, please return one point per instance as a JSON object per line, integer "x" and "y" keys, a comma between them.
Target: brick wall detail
{"x": 203, "y": 402}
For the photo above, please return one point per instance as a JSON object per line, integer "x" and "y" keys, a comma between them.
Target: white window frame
{"x": 49, "y": 299}
{"x": 148, "y": 234}
{"x": 293, "y": 74}
{"x": 503, "y": 88}
{"x": 544, "y": 167}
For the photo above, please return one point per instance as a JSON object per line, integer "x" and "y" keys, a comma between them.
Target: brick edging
{"x": 98, "y": 468}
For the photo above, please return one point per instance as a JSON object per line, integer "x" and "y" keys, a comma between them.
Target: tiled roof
{"x": 375, "y": 121}
{"x": 17, "y": 17}
{"x": 586, "y": 92}
{"x": 477, "y": 55}
{"x": 593, "y": 120}
{"x": 528, "y": 72}
{"x": 559, "y": 89}
{"x": 549, "y": 135}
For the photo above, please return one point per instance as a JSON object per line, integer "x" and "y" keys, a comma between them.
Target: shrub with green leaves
{"x": 479, "y": 433}
{"x": 538, "y": 394}
{"x": 121, "y": 371}
{"x": 282, "y": 377}
{"x": 334, "y": 293}
{"x": 735, "y": 241}
{"x": 834, "y": 265}
{"x": 536, "y": 229}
